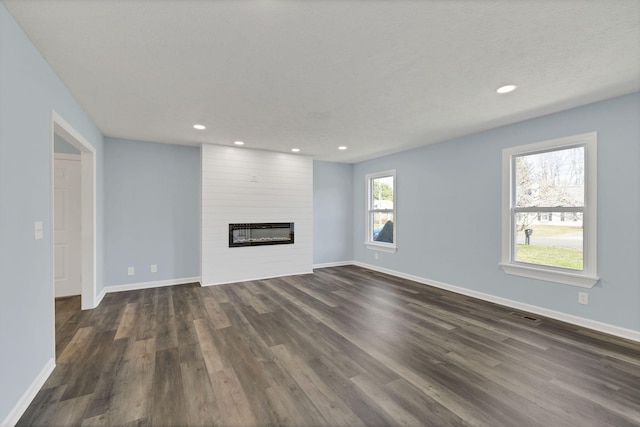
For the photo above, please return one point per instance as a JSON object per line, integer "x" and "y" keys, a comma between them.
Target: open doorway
{"x": 61, "y": 130}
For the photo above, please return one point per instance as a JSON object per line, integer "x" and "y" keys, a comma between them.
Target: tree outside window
{"x": 549, "y": 187}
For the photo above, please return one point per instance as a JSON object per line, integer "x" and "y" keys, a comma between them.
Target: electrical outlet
{"x": 38, "y": 230}
{"x": 583, "y": 298}
{"x": 376, "y": 255}
{"x": 130, "y": 271}
{"x": 154, "y": 268}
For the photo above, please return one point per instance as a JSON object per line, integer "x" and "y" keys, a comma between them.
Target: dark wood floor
{"x": 342, "y": 346}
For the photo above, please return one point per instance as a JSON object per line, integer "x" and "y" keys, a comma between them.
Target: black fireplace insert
{"x": 260, "y": 233}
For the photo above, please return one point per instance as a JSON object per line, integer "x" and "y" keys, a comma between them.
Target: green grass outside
{"x": 553, "y": 230}
{"x": 550, "y": 255}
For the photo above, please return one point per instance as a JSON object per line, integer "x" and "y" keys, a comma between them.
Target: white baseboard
{"x": 333, "y": 264}
{"x": 101, "y": 295}
{"x": 147, "y": 285}
{"x": 27, "y": 397}
{"x": 607, "y": 328}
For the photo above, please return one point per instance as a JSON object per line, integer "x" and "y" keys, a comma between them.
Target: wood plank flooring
{"x": 344, "y": 346}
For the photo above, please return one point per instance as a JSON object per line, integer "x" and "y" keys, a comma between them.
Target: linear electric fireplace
{"x": 260, "y": 233}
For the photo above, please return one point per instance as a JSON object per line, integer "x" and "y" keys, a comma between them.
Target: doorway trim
{"x": 88, "y": 233}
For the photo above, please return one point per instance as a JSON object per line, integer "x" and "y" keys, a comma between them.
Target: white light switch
{"x": 37, "y": 230}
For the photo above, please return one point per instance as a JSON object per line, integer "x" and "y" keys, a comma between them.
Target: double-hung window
{"x": 381, "y": 211}
{"x": 549, "y": 210}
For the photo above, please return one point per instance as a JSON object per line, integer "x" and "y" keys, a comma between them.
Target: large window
{"x": 381, "y": 211}
{"x": 549, "y": 210}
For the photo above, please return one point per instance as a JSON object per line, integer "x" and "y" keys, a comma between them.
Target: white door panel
{"x": 60, "y": 206}
{"x": 61, "y": 260}
{"x": 66, "y": 205}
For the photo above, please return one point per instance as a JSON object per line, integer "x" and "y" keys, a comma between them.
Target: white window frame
{"x": 369, "y": 243}
{"x": 587, "y": 277}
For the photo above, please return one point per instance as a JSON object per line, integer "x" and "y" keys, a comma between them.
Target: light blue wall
{"x": 332, "y": 212}
{"x": 29, "y": 91}
{"x": 152, "y": 211}
{"x": 62, "y": 146}
{"x": 449, "y": 212}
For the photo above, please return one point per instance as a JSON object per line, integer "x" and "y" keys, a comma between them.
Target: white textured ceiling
{"x": 376, "y": 76}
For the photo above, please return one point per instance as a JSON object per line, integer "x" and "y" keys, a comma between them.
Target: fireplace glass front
{"x": 261, "y": 233}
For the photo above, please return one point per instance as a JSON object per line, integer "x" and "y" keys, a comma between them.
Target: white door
{"x": 66, "y": 216}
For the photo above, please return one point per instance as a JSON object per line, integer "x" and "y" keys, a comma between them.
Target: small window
{"x": 381, "y": 211}
{"x": 549, "y": 210}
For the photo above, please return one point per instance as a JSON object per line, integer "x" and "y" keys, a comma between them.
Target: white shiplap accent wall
{"x": 240, "y": 186}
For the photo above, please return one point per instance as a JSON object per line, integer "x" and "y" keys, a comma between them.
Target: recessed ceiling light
{"x": 199, "y": 127}
{"x": 342, "y": 147}
{"x": 295, "y": 150}
{"x": 506, "y": 89}
{"x": 239, "y": 143}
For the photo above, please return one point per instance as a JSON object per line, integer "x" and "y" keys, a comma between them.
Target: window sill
{"x": 382, "y": 247}
{"x": 564, "y": 277}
